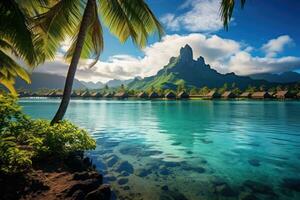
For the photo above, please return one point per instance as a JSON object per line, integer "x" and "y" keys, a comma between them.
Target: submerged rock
{"x": 125, "y": 166}
{"x": 199, "y": 170}
{"x": 143, "y": 172}
{"x": 165, "y": 188}
{"x": 292, "y": 184}
{"x": 110, "y": 178}
{"x": 122, "y": 181}
{"x": 225, "y": 190}
{"x": 172, "y": 164}
{"x": 112, "y": 160}
{"x": 165, "y": 171}
{"x": 172, "y": 195}
{"x": 189, "y": 152}
{"x": 247, "y": 196}
{"x": 258, "y": 187}
{"x": 254, "y": 162}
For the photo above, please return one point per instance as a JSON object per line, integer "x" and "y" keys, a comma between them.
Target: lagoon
{"x": 193, "y": 149}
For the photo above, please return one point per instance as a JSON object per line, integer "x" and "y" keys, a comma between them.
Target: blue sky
{"x": 263, "y": 37}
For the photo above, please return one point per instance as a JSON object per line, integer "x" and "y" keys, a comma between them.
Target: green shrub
{"x": 23, "y": 140}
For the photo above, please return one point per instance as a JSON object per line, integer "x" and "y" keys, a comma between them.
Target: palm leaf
{"x": 129, "y": 18}
{"x": 59, "y": 22}
{"x": 16, "y": 30}
{"x": 226, "y": 11}
{"x": 93, "y": 45}
{"x": 9, "y": 71}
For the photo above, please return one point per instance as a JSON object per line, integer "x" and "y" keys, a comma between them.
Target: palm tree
{"x": 18, "y": 40}
{"x": 125, "y": 19}
{"x": 226, "y": 9}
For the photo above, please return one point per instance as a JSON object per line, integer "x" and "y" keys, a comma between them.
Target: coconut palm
{"x": 124, "y": 18}
{"x": 226, "y": 9}
{"x": 18, "y": 41}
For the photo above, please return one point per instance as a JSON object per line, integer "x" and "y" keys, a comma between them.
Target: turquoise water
{"x": 190, "y": 149}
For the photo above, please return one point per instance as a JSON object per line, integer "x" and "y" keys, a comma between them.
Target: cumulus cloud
{"x": 224, "y": 55}
{"x": 202, "y": 16}
{"x": 244, "y": 63}
{"x": 277, "y": 45}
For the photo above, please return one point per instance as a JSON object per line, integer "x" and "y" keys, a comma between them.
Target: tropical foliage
{"x": 24, "y": 140}
{"x": 16, "y": 41}
{"x": 227, "y": 7}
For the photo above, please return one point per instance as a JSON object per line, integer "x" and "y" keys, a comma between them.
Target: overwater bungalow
{"x": 261, "y": 95}
{"x": 228, "y": 95}
{"x": 283, "y": 94}
{"x": 298, "y": 95}
{"x": 85, "y": 94}
{"x": 121, "y": 95}
{"x": 272, "y": 94}
{"x": 142, "y": 95}
{"x": 23, "y": 94}
{"x": 108, "y": 95}
{"x": 96, "y": 95}
{"x": 245, "y": 95}
{"x": 75, "y": 94}
{"x": 52, "y": 94}
{"x": 33, "y": 94}
{"x": 170, "y": 95}
{"x": 183, "y": 95}
{"x": 153, "y": 95}
{"x": 212, "y": 95}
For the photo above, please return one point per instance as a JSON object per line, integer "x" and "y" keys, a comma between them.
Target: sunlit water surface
{"x": 190, "y": 149}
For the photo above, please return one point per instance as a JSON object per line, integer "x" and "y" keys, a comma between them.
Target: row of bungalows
{"x": 168, "y": 95}
{"x": 254, "y": 95}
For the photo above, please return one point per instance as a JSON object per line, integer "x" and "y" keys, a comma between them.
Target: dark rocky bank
{"x": 73, "y": 178}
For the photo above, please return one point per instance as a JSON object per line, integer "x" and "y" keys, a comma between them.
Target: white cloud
{"x": 243, "y": 63}
{"x": 224, "y": 55}
{"x": 202, "y": 16}
{"x": 275, "y": 46}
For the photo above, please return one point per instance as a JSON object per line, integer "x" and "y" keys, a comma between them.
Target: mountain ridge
{"x": 193, "y": 73}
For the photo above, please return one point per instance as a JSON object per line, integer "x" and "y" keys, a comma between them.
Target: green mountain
{"x": 285, "y": 77}
{"x": 184, "y": 69}
{"x": 49, "y": 81}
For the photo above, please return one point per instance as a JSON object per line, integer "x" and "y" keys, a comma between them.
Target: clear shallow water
{"x": 199, "y": 149}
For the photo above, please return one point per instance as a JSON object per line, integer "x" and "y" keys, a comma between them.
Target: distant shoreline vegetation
{"x": 225, "y": 92}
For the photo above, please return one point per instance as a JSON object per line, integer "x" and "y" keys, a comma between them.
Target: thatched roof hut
{"x": 33, "y": 94}
{"x": 75, "y": 94}
{"x": 212, "y": 94}
{"x": 261, "y": 95}
{"x": 170, "y": 95}
{"x": 245, "y": 95}
{"x": 121, "y": 95}
{"x": 153, "y": 95}
{"x": 142, "y": 95}
{"x": 283, "y": 94}
{"x": 298, "y": 95}
{"x": 23, "y": 94}
{"x": 272, "y": 94}
{"x": 55, "y": 94}
{"x": 183, "y": 95}
{"x": 86, "y": 94}
{"x": 228, "y": 95}
{"x": 108, "y": 95}
{"x": 96, "y": 94}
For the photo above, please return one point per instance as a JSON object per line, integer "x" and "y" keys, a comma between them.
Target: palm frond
{"x": 9, "y": 71}
{"x": 93, "y": 44}
{"x": 129, "y": 18}
{"x": 226, "y": 11}
{"x": 59, "y": 22}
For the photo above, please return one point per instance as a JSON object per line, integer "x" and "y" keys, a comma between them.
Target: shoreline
{"x": 74, "y": 177}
